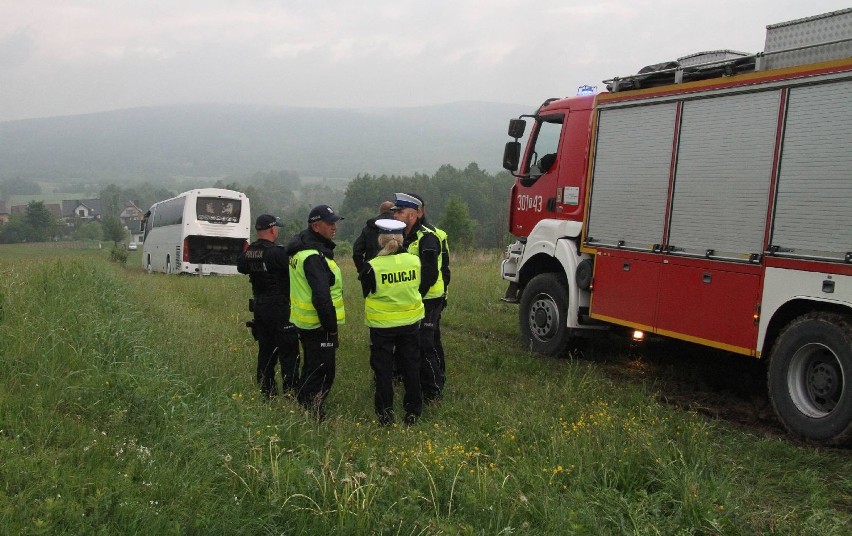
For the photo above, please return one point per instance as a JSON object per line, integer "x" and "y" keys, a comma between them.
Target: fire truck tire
{"x": 543, "y": 314}
{"x": 810, "y": 378}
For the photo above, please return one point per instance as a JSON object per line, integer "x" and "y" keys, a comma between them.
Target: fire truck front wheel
{"x": 543, "y": 314}
{"x": 809, "y": 378}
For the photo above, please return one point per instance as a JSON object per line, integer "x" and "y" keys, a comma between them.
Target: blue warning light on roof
{"x": 587, "y": 90}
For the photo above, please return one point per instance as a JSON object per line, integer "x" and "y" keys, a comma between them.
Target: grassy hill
{"x": 128, "y": 406}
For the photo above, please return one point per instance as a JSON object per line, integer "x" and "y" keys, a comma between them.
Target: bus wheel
{"x": 809, "y": 378}
{"x": 148, "y": 264}
{"x": 168, "y": 264}
{"x": 543, "y": 314}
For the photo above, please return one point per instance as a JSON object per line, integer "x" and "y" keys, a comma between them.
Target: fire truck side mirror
{"x": 517, "y": 127}
{"x": 535, "y": 173}
{"x": 512, "y": 155}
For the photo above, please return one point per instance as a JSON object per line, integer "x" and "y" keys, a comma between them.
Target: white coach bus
{"x": 201, "y": 231}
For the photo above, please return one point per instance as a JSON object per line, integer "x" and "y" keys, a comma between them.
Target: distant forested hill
{"x": 220, "y": 141}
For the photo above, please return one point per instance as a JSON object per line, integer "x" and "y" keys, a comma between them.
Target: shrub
{"x": 118, "y": 254}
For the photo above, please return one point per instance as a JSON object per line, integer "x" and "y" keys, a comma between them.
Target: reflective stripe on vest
{"x": 437, "y": 289}
{"x": 396, "y": 300}
{"x": 302, "y": 311}
{"x": 445, "y": 253}
{"x": 442, "y": 238}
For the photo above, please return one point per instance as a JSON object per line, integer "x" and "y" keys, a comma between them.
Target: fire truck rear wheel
{"x": 810, "y": 378}
{"x": 543, "y": 314}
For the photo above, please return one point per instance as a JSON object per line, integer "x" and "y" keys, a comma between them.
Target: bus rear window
{"x": 217, "y": 210}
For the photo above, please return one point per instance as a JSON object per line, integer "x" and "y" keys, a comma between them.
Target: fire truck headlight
{"x": 638, "y": 335}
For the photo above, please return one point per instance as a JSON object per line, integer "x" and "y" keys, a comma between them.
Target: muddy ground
{"x": 720, "y": 385}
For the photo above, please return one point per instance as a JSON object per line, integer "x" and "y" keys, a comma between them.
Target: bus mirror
{"x": 517, "y": 127}
{"x": 512, "y": 155}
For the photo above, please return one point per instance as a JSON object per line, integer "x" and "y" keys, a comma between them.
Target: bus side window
{"x": 146, "y": 225}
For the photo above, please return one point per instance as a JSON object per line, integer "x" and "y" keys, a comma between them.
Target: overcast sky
{"x": 63, "y": 57}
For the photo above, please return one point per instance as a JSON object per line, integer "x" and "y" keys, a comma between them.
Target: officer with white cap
{"x": 426, "y": 245}
{"x": 393, "y": 309}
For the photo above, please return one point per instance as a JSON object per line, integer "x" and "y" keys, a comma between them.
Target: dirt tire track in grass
{"x": 720, "y": 385}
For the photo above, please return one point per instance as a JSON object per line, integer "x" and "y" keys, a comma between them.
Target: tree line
{"x": 470, "y": 204}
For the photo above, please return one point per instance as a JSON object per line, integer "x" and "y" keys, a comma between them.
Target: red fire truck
{"x": 707, "y": 199}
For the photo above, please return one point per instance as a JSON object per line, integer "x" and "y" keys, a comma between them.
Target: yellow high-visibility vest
{"x": 445, "y": 252}
{"x": 396, "y": 300}
{"x": 302, "y": 312}
{"x": 437, "y": 289}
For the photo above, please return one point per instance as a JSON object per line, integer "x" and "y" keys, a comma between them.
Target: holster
{"x": 253, "y": 328}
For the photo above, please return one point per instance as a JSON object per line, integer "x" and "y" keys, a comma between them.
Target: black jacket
{"x": 429, "y": 247}
{"x": 266, "y": 264}
{"x": 318, "y": 274}
{"x": 366, "y": 246}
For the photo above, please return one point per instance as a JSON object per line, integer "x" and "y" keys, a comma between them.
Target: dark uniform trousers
{"x": 439, "y": 344}
{"x": 431, "y": 371}
{"x": 318, "y": 369}
{"x": 400, "y": 344}
{"x": 277, "y": 343}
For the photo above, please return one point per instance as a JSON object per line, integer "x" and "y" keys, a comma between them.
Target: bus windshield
{"x": 217, "y": 210}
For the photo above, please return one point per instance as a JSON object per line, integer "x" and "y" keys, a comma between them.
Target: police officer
{"x": 424, "y": 243}
{"x": 277, "y": 341}
{"x": 445, "y": 275}
{"x": 393, "y": 309}
{"x": 316, "y": 296}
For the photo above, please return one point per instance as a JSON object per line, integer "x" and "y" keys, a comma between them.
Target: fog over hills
{"x": 233, "y": 140}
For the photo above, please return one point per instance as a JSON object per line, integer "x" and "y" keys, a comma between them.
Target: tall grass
{"x": 128, "y": 406}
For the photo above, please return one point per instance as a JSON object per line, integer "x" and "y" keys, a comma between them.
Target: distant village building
{"x": 131, "y": 217}
{"x": 53, "y": 208}
{"x": 77, "y": 211}
{"x": 81, "y": 210}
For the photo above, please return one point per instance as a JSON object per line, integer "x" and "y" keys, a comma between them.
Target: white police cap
{"x": 387, "y": 226}
{"x": 406, "y": 201}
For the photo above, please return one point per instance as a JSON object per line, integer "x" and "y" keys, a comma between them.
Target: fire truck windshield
{"x": 546, "y": 140}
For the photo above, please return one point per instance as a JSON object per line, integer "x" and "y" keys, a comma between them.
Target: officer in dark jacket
{"x": 316, "y": 297}
{"x": 268, "y": 269}
{"x": 366, "y": 246}
{"x": 445, "y": 275}
{"x": 425, "y": 244}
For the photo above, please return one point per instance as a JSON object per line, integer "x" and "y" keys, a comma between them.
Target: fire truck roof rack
{"x": 675, "y": 72}
{"x": 798, "y": 42}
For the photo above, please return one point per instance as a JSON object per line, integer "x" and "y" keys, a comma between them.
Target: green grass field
{"x": 127, "y": 406}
